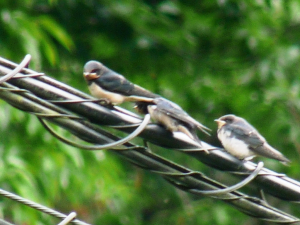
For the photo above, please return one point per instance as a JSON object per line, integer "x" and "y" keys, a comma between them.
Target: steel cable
{"x": 50, "y": 89}
{"x": 41, "y": 89}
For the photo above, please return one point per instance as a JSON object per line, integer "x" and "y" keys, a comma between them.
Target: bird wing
{"x": 256, "y": 142}
{"x": 115, "y": 83}
{"x": 175, "y": 111}
{"x": 248, "y": 134}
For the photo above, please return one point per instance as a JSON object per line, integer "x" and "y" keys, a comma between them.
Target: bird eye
{"x": 94, "y": 70}
{"x": 228, "y": 120}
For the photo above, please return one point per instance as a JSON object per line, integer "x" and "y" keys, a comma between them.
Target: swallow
{"x": 105, "y": 83}
{"x": 243, "y": 141}
{"x": 171, "y": 116}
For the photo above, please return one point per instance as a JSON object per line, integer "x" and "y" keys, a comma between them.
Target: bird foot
{"x": 105, "y": 102}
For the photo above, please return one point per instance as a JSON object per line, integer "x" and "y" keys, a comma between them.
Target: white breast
{"x": 98, "y": 92}
{"x": 234, "y": 146}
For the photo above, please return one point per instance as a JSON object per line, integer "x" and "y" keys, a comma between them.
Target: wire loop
{"x": 113, "y": 145}
{"x": 231, "y": 188}
{"x": 24, "y": 63}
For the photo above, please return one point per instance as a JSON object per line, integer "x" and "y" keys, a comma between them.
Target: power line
{"x": 56, "y": 102}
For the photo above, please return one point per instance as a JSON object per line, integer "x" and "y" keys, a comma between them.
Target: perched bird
{"x": 105, "y": 83}
{"x": 243, "y": 141}
{"x": 172, "y": 116}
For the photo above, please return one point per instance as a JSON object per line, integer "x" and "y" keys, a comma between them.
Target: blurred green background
{"x": 211, "y": 57}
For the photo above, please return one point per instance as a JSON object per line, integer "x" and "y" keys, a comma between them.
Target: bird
{"x": 105, "y": 83}
{"x": 243, "y": 141}
{"x": 172, "y": 116}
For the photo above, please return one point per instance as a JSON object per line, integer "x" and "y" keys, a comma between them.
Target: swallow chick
{"x": 172, "y": 116}
{"x": 105, "y": 83}
{"x": 243, "y": 141}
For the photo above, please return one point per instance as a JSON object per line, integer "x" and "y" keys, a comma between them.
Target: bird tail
{"x": 193, "y": 135}
{"x": 204, "y": 129}
{"x": 275, "y": 154}
{"x": 201, "y": 127}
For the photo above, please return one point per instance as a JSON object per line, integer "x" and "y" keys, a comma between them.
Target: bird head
{"x": 227, "y": 119}
{"x": 92, "y": 70}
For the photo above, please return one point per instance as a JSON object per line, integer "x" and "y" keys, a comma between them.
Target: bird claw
{"x": 206, "y": 151}
{"x": 105, "y": 102}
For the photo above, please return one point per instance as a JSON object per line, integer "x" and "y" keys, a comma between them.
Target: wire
{"x": 25, "y": 62}
{"x": 234, "y": 187}
{"x": 42, "y": 88}
{"x": 38, "y": 206}
{"x": 113, "y": 145}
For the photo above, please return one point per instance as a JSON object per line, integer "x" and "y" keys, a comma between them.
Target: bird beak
{"x": 90, "y": 76}
{"x": 220, "y": 123}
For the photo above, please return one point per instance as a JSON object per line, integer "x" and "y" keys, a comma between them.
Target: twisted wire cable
{"x": 3, "y": 222}
{"x": 187, "y": 180}
{"x": 48, "y": 88}
{"x": 39, "y": 207}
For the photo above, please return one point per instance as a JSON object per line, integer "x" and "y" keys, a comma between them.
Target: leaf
{"x": 56, "y": 31}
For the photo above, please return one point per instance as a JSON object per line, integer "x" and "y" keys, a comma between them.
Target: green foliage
{"x": 211, "y": 57}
